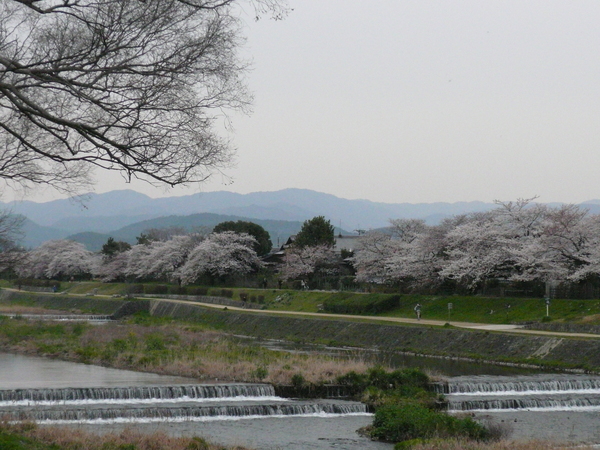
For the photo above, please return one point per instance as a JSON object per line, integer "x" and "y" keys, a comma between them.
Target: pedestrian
{"x": 418, "y": 311}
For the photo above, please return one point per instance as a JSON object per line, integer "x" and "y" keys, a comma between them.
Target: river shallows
{"x": 317, "y": 431}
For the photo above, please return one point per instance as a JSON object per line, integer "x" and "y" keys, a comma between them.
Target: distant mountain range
{"x": 126, "y": 214}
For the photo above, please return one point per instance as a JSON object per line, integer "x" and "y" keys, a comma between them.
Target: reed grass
{"x": 28, "y": 436}
{"x": 455, "y": 444}
{"x": 171, "y": 349}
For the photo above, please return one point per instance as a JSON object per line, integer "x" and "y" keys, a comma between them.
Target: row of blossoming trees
{"x": 182, "y": 259}
{"x": 516, "y": 242}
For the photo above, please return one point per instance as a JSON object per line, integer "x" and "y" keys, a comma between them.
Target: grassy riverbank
{"x": 491, "y": 310}
{"x": 169, "y": 347}
{"x": 28, "y": 436}
{"x": 177, "y": 347}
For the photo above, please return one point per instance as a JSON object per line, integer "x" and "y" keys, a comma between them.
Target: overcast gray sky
{"x": 421, "y": 101}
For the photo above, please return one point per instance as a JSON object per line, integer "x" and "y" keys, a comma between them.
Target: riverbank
{"x": 28, "y": 436}
{"x": 154, "y": 340}
{"x": 559, "y": 352}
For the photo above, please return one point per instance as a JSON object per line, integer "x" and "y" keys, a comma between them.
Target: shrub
{"x": 378, "y": 377}
{"x": 244, "y": 296}
{"x": 198, "y": 291}
{"x": 135, "y": 289}
{"x": 361, "y": 304}
{"x": 298, "y": 380}
{"x": 33, "y": 282}
{"x": 226, "y": 293}
{"x": 260, "y": 373}
{"x": 410, "y": 420}
{"x": 261, "y": 299}
{"x": 178, "y": 290}
{"x": 156, "y": 289}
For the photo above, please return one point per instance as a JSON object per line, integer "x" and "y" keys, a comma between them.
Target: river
{"x": 561, "y": 407}
{"x": 49, "y": 387}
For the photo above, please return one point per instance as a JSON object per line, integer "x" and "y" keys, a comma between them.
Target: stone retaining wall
{"x": 564, "y": 327}
{"x": 208, "y": 299}
{"x": 449, "y": 342}
{"x": 92, "y": 305}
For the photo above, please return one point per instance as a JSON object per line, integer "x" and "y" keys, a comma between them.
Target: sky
{"x": 418, "y": 101}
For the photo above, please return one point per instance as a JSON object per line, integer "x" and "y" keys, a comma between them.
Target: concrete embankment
{"x": 485, "y": 345}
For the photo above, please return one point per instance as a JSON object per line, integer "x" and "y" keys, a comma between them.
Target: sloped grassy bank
{"x": 525, "y": 349}
{"x": 558, "y": 352}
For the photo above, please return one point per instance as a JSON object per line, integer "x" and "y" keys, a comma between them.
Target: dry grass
{"x": 73, "y": 439}
{"x": 500, "y": 445}
{"x": 173, "y": 349}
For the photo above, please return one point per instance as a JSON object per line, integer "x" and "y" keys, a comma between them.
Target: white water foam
{"x": 524, "y": 393}
{"x": 198, "y": 419}
{"x": 146, "y": 401}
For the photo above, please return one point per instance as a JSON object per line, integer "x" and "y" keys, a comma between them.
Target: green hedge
{"x": 361, "y": 304}
{"x": 156, "y": 289}
{"x": 33, "y": 282}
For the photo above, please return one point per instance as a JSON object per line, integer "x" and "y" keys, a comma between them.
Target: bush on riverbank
{"x": 406, "y": 410}
{"x": 411, "y": 420}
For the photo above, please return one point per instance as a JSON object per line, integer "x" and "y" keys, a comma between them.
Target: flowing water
{"x": 103, "y": 400}
{"x": 524, "y": 404}
{"x": 564, "y": 408}
{"x": 62, "y": 317}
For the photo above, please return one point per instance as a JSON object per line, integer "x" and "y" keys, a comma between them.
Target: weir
{"x": 62, "y": 317}
{"x": 549, "y": 403}
{"x": 519, "y": 385}
{"x": 87, "y": 413}
{"x": 539, "y": 392}
{"x": 180, "y": 403}
{"x": 138, "y": 392}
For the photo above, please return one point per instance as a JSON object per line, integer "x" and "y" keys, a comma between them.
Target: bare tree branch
{"x": 125, "y": 85}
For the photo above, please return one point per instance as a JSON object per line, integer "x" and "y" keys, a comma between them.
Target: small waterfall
{"x": 155, "y": 403}
{"x": 63, "y": 317}
{"x": 183, "y": 413}
{"x": 522, "y": 385}
{"x": 536, "y": 392}
{"x": 138, "y": 393}
{"x": 524, "y": 403}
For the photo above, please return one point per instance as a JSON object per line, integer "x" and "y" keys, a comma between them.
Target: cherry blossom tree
{"x": 168, "y": 256}
{"x": 55, "y": 259}
{"x": 478, "y": 250}
{"x": 302, "y": 263}
{"x": 220, "y": 255}
{"x": 371, "y": 256}
{"x": 113, "y": 268}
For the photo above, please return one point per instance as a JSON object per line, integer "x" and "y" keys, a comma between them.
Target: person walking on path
{"x": 418, "y": 311}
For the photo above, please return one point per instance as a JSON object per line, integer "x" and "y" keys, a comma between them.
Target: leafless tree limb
{"x": 133, "y": 86}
